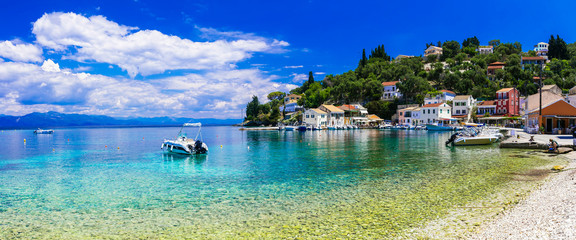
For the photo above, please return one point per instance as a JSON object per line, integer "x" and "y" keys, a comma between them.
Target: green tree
{"x": 557, "y": 48}
{"x": 276, "y": 96}
{"x": 494, "y": 43}
{"x": 471, "y": 42}
{"x": 252, "y": 108}
{"x": 412, "y": 85}
{"x": 380, "y": 53}
{"x": 450, "y": 49}
{"x": 364, "y": 60}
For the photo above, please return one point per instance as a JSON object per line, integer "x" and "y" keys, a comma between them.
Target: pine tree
{"x": 364, "y": 60}
{"x": 310, "y": 78}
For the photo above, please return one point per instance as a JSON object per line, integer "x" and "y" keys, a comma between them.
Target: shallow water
{"x": 116, "y": 183}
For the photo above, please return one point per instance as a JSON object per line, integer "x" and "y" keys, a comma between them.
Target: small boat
{"x": 473, "y": 136}
{"x": 289, "y": 128}
{"x": 302, "y": 128}
{"x": 43, "y": 131}
{"x": 420, "y": 127}
{"x": 185, "y": 145}
{"x": 432, "y": 127}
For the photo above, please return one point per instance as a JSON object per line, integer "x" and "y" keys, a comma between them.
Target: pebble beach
{"x": 549, "y": 212}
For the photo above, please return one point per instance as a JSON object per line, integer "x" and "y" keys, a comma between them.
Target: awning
{"x": 556, "y": 116}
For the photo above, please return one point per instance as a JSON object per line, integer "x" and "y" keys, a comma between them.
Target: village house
{"x": 432, "y": 50}
{"x": 354, "y": 114}
{"x": 400, "y": 57}
{"x": 553, "y": 88}
{"x": 571, "y": 98}
{"x": 491, "y": 70}
{"x": 315, "y": 117}
{"x": 540, "y": 61}
{"x": 390, "y": 91}
{"x": 557, "y": 118}
{"x": 409, "y": 116}
{"x": 541, "y": 50}
{"x": 462, "y": 106}
{"x": 484, "y": 50}
{"x": 291, "y": 103}
{"x": 435, "y": 113}
{"x": 486, "y": 107}
{"x": 335, "y": 115}
{"x": 443, "y": 97}
{"x": 508, "y": 102}
{"x": 533, "y": 103}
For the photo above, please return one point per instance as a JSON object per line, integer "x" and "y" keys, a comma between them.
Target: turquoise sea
{"x": 117, "y": 183}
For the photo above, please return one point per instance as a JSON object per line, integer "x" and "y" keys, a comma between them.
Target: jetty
{"x": 520, "y": 139}
{"x": 258, "y": 128}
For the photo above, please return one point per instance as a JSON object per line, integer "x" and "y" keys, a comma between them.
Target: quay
{"x": 520, "y": 139}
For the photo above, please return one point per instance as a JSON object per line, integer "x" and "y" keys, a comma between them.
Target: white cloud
{"x": 299, "y": 66}
{"x": 320, "y": 73}
{"x": 298, "y": 77}
{"x": 20, "y": 52}
{"x": 26, "y": 88}
{"x": 144, "y": 52}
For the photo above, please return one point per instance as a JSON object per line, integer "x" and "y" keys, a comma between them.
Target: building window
{"x": 433, "y": 111}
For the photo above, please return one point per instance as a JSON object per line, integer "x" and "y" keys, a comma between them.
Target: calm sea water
{"x": 94, "y": 182}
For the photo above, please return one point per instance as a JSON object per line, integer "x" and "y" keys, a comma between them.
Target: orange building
{"x": 556, "y": 117}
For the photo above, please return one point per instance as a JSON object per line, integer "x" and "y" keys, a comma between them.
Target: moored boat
{"x": 184, "y": 145}
{"x": 432, "y": 127}
{"x": 43, "y": 131}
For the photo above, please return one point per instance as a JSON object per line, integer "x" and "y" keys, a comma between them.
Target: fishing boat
{"x": 184, "y": 145}
{"x": 43, "y": 131}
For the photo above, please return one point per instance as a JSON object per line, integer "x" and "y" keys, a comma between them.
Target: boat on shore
{"x": 184, "y": 145}
{"x": 43, "y": 131}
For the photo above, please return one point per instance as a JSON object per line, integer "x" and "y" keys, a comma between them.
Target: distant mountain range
{"x": 55, "y": 119}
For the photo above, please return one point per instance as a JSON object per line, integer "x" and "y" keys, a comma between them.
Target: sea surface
{"x": 117, "y": 183}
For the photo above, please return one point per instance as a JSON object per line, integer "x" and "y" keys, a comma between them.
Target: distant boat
{"x": 289, "y": 128}
{"x": 185, "y": 145}
{"x": 432, "y": 127}
{"x": 302, "y": 128}
{"x": 43, "y": 131}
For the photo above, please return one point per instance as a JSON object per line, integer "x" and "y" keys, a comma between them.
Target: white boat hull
{"x": 468, "y": 141}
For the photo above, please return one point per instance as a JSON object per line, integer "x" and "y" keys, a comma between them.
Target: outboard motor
{"x": 452, "y": 138}
{"x": 198, "y": 148}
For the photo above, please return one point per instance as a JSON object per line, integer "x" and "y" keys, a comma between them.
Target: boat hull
{"x": 469, "y": 141}
{"x": 431, "y": 127}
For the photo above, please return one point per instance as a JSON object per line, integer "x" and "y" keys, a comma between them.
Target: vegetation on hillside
{"x": 460, "y": 69}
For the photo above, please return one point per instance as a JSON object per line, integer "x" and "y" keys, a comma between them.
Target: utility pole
{"x": 540, "y": 85}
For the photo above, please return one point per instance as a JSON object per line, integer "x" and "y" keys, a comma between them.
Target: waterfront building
{"x": 541, "y": 50}
{"x": 291, "y": 103}
{"x": 443, "y": 97}
{"x": 462, "y": 106}
{"x": 484, "y": 50}
{"x": 315, "y": 117}
{"x": 390, "y": 91}
{"x": 507, "y": 102}
{"x": 486, "y": 107}
{"x": 409, "y": 116}
{"x": 354, "y": 114}
{"x": 435, "y": 113}
{"x": 335, "y": 115}
{"x": 557, "y": 117}
{"x": 374, "y": 120}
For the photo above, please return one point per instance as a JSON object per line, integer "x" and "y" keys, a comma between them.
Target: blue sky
{"x": 207, "y": 58}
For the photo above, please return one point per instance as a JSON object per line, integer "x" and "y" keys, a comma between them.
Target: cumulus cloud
{"x": 25, "y": 88}
{"x": 298, "y": 77}
{"x": 20, "y": 52}
{"x": 144, "y": 52}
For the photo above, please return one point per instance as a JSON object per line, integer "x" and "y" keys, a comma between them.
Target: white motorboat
{"x": 43, "y": 131}
{"x": 184, "y": 145}
{"x": 473, "y": 136}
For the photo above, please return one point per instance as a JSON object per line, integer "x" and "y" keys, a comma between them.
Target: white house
{"x": 409, "y": 116}
{"x": 434, "y": 113}
{"x": 541, "y": 50}
{"x": 485, "y": 49}
{"x": 462, "y": 106}
{"x": 335, "y": 115}
{"x": 443, "y": 97}
{"x": 315, "y": 117}
{"x": 390, "y": 91}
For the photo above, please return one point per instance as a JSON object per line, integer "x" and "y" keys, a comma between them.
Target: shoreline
{"x": 547, "y": 212}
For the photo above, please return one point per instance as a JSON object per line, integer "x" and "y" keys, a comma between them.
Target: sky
{"x": 207, "y": 58}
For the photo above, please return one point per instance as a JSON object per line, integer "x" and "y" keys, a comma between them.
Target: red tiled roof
{"x": 486, "y": 103}
{"x": 432, "y": 105}
{"x": 447, "y": 91}
{"x": 495, "y": 67}
{"x": 496, "y": 63}
{"x": 505, "y": 90}
{"x": 532, "y": 58}
{"x": 347, "y": 107}
{"x": 393, "y": 83}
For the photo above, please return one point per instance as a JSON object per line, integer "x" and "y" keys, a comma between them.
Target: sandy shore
{"x": 547, "y": 213}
